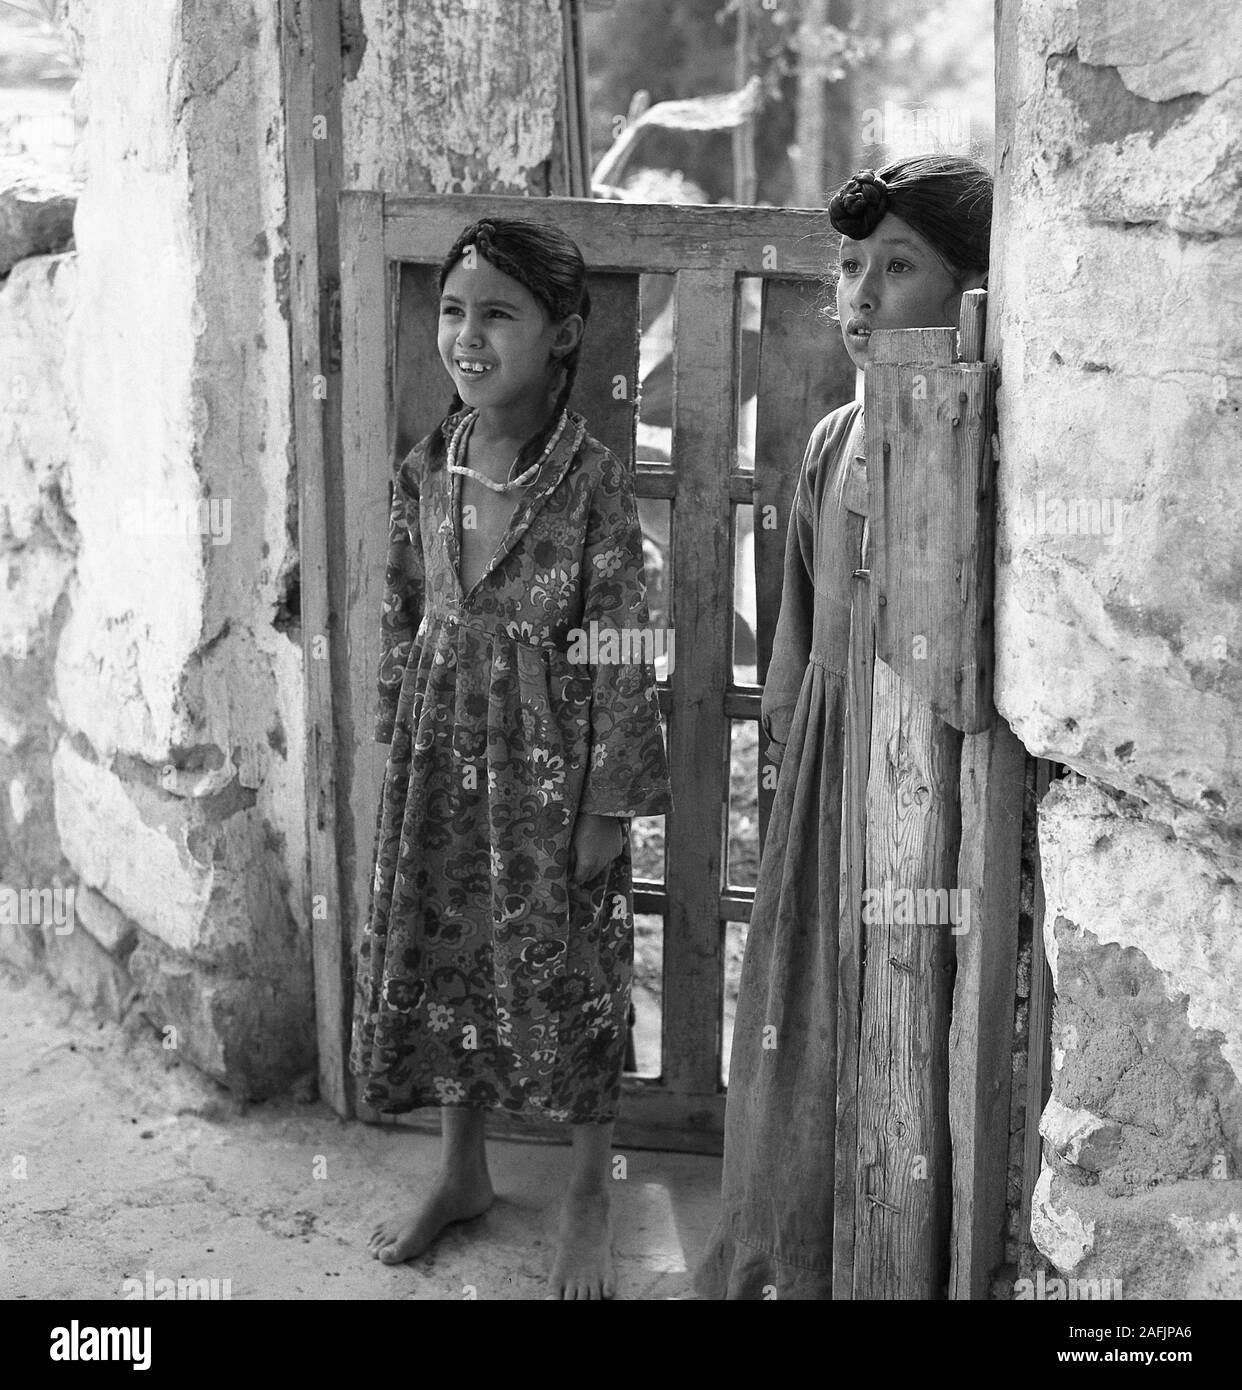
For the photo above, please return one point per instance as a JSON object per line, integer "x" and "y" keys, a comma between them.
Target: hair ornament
{"x": 859, "y": 205}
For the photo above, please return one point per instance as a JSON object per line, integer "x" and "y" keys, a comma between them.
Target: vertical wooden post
{"x": 988, "y": 875}
{"x": 981, "y": 1037}
{"x": 311, "y": 81}
{"x": 943, "y": 830}
{"x": 931, "y": 518}
{"x": 913, "y": 829}
{"x": 703, "y": 435}
{"x": 367, "y": 443}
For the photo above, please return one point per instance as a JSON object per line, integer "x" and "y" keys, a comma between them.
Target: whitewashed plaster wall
{"x": 173, "y": 709}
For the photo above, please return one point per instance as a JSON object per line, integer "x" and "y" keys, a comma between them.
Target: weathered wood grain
{"x": 422, "y": 390}
{"x": 649, "y": 237}
{"x": 989, "y": 870}
{"x": 913, "y": 831}
{"x": 981, "y": 1035}
{"x": 971, "y": 325}
{"x": 367, "y": 465}
{"x": 606, "y": 390}
{"x": 703, "y": 441}
{"x": 311, "y": 77}
{"x": 929, "y": 467}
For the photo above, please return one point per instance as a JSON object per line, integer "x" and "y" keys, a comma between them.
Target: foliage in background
{"x": 894, "y": 73}
{"x": 34, "y": 48}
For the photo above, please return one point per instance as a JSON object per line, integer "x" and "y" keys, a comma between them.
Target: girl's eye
{"x": 447, "y": 309}
{"x": 892, "y": 265}
{"x": 849, "y": 267}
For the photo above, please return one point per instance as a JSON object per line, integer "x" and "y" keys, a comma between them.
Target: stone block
{"x": 81, "y": 965}
{"x": 245, "y": 1031}
{"x": 20, "y": 943}
{"x": 1059, "y": 1232}
{"x": 36, "y": 425}
{"x": 1079, "y": 1137}
{"x": 1180, "y": 1240}
{"x": 143, "y": 865}
{"x": 36, "y": 213}
{"x": 1145, "y": 1120}
{"x": 1116, "y": 873}
{"x": 1118, "y": 634}
{"x": 110, "y": 927}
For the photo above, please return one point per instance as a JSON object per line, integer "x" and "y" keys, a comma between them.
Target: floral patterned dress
{"x": 485, "y": 976}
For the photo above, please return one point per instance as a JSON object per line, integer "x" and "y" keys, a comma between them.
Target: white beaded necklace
{"x": 457, "y": 446}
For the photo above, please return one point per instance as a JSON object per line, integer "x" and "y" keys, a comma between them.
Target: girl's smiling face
{"x": 497, "y": 341}
{"x": 895, "y": 279}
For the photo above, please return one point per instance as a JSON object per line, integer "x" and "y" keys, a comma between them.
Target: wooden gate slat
{"x": 311, "y": 76}
{"x": 366, "y": 323}
{"x": 981, "y": 1034}
{"x": 651, "y": 238}
{"x": 706, "y": 250}
{"x": 609, "y": 352}
{"x": 703, "y": 437}
{"x": 421, "y": 388}
{"x": 992, "y": 788}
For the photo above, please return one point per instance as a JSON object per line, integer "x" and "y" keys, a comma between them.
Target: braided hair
{"x": 549, "y": 264}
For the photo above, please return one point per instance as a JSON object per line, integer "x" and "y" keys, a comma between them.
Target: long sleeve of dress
{"x": 791, "y": 643}
{"x": 403, "y": 599}
{"x": 628, "y": 774}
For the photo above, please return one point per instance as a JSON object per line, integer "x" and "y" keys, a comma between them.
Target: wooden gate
{"x": 395, "y": 390}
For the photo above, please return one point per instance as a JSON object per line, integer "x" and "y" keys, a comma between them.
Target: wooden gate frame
{"x": 981, "y": 1017}
{"x": 708, "y": 251}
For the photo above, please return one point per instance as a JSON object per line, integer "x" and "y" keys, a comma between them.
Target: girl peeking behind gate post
{"x": 914, "y": 238}
{"x": 494, "y": 972}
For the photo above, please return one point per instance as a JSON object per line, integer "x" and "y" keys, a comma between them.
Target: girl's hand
{"x": 776, "y": 721}
{"x": 597, "y": 842}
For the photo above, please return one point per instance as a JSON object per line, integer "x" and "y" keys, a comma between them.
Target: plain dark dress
{"x": 774, "y": 1235}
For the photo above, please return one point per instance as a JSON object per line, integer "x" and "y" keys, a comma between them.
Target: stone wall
{"x": 1119, "y": 651}
{"x": 152, "y": 701}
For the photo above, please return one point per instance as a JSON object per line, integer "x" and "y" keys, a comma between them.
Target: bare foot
{"x": 454, "y": 1197}
{"x": 583, "y": 1266}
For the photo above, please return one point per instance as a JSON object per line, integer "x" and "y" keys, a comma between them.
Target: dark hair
{"x": 946, "y": 199}
{"x": 549, "y": 264}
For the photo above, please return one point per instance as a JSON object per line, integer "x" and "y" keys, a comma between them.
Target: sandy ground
{"x": 119, "y": 1162}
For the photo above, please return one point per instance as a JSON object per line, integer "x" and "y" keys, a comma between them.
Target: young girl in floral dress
{"x": 494, "y": 971}
{"x": 914, "y": 238}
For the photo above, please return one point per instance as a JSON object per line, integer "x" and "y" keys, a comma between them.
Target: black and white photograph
{"x": 620, "y": 667}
